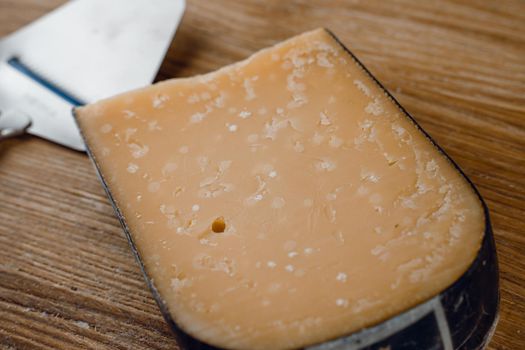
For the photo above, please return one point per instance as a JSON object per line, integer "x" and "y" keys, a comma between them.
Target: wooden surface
{"x": 67, "y": 277}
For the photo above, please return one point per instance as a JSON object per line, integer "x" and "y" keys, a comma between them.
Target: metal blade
{"x": 89, "y": 49}
{"x": 50, "y": 114}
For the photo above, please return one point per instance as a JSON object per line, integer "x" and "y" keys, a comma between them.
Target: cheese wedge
{"x": 284, "y": 200}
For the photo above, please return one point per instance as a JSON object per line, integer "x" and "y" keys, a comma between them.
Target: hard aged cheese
{"x": 283, "y": 200}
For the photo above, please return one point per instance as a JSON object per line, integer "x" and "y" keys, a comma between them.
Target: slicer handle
{"x": 13, "y": 124}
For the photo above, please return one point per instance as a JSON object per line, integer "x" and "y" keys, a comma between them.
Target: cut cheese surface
{"x": 284, "y": 200}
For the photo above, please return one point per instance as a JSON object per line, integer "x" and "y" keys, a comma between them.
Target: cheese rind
{"x": 338, "y": 212}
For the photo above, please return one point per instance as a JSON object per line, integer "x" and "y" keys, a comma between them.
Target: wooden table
{"x": 67, "y": 276}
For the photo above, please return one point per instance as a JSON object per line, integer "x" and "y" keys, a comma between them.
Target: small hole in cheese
{"x": 218, "y": 225}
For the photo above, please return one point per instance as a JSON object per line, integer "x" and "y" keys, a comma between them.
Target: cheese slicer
{"x": 81, "y": 52}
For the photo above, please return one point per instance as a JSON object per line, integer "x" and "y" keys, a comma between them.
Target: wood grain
{"x": 67, "y": 277}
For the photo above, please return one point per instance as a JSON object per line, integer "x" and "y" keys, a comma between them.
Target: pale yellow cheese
{"x": 337, "y": 211}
